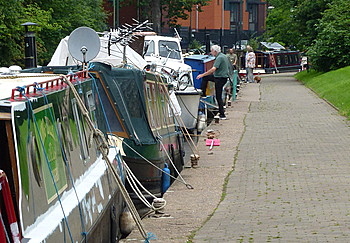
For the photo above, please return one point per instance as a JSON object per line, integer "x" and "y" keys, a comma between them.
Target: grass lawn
{"x": 332, "y": 86}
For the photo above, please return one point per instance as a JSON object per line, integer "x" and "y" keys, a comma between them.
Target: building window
{"x": 234, "y": 15}
{"x": 253, "y": 16}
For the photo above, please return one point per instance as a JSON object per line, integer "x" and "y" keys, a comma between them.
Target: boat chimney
{"x": 30, "y": 59}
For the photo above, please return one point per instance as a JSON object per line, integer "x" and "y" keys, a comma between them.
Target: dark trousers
{"x": 219, "y": 84}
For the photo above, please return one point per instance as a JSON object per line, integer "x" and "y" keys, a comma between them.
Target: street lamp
{"x": 30, "y": 59}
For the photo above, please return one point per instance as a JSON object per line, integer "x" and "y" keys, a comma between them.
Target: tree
{"x": 58, "y": 18}
{"x": 332, "y": 45}
{"x": 280, "y": 24}
{"x": 10, "y": 32}
{"x": 307, "y": 16}
{"x": 172, "y": 9}
{"x": 44, "y": 30}
{"x": 293, "y": 23}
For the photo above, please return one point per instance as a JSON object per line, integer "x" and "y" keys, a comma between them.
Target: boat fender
{"x": 126, "y": 223}
{"x": 201, "y": 123}
{"x": 165, "y": 178}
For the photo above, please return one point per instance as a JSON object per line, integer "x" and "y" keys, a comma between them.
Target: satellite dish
{"x": 84, "y": 44}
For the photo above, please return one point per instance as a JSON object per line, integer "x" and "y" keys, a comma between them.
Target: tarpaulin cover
{"x": 126, "y": 89}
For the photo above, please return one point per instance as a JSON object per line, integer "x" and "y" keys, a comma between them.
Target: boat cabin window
{"x": 81, "y": 133}
{"x": 278, "y": 60}
{"x": 149, "y": 48}
{"x": 286, "y": 59}
{"x": 170, "y": 48}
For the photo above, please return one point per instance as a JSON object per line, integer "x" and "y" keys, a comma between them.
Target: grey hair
{"x": 216, "y": 48}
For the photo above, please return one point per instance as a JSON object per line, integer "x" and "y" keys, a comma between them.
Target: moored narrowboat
{"x": 139, "y": 111}
{"x": 62, "y": 189}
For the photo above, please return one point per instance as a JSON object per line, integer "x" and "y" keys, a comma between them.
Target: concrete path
{"x": 284, "y": 164}
{"x": 291, "y": 174}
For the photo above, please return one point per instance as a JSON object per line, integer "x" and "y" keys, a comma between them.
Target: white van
{"x": 166, "y": 53}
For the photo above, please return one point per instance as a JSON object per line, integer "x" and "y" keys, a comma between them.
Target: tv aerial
{"x": 84, "y": 44}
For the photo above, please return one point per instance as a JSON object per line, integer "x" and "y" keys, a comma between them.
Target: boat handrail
{"x": 58, "y": 82}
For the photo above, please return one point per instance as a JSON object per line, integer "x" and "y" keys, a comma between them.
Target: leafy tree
{"x": 55, "y": 18}
{"x": 173, "y": 10}
{"x": 280, "y": 24}
{"x": 44, "y": 38}
{"x": 293, "y": 23}
{"x": 58, "y": 18}
{"x": 307, "y": 16}
{"x": 11, "y": 35}
{"x": 332, "y": 45}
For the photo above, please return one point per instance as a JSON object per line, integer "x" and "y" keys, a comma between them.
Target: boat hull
{"x": 140, "y": 113}
{"x": 148, "y": 168}
{"x": 189, "y": 104}
{"x": 63, "y": 188}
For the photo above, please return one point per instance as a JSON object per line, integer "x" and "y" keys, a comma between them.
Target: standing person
{"x": 250, "y": 64}
{"x": 219, "y": 73}
{"x": 232, "y": 57}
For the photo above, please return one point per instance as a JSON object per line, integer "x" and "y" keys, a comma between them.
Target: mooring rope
{"x": 102, "y": 145}
{"x": 46, "y": 102}
{"x": 183, "y": 127}
{"x": 134, "y": 183}
{"x": 164, "y": 149}
{"x": 22, "y": 91}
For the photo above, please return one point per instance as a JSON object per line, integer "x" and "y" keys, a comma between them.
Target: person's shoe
{"x": 223, "y": 118}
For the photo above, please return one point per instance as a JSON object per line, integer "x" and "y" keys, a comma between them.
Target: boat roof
{"x": 8, "y": 82}
{"x": 164, "y": 38}
{"x": 277, "y": 52}
{"x": 273, "y": 45}
{"x": 200, "y": 57}
{"x": 62, "y": 56}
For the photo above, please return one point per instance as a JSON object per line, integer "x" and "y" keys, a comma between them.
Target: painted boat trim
{"x": 49, "y": 221}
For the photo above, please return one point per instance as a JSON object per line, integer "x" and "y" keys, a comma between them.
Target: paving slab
{"x": 291, "y": 176}
{"x": 190, "y": 208}
{"x": 280, "y": 174}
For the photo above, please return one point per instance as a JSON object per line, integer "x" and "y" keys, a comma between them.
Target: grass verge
{"x": 333, "y": 86}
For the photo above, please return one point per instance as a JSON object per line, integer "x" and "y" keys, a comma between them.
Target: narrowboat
{"x": 55, "y": 184}
{"x": 137, "y": 107}
{"x": 138, "y": 110}
{"x": 165, "y": 53}
{"x": 278, "y": 61}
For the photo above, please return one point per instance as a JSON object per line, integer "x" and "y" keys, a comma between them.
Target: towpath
{"x": 280, "y": 174}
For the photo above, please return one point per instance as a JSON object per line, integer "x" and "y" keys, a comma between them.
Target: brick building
{"x": 224, "y": 22}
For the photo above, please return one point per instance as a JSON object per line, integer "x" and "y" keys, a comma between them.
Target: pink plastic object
{"x": 212, "y": 142}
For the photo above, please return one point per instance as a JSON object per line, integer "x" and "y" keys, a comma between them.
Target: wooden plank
{"x": 5, "y": 116}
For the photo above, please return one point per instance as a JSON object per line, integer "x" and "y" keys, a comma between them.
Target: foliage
{"x": 35, "y": 14}
{"x": 10, "y": 32}
{"x": 173, "y": 9}
{"x": 280, "y": 23}
{"x": 254, "y": 43}
{"x": 307, "y": 17}
{"x": 195, "y": 44}
{"x": 332, "y": 45}
{"x": 334, "y": 86}
{"x": 318, "y": 27}
{"x": 293, "y": 23}
{"x": 56, "y": 19}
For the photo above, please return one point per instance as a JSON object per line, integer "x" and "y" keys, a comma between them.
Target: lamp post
{"x": 30, "y": 59}
{"x": 115, "y": 14}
